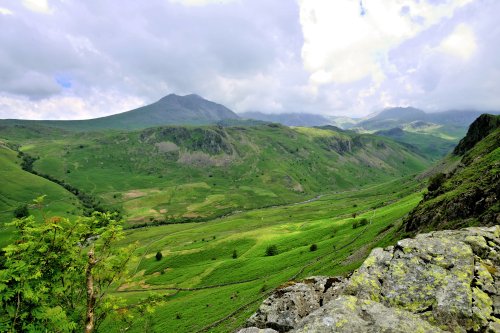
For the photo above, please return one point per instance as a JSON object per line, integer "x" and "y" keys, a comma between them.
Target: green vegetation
{"x": 52, "y": 265}
{"x": 468, "y": 194}
{"x": 221, "y": 216}
{"x": 201, "y": 282}
{"x": 180, "y": 174}
{"x": 271, "y": 250}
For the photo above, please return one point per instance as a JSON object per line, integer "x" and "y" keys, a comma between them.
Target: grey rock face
{"x": 436, "y": 282}
{"x": 288, "y": 305}
{"x": 350, "y": 314}
{"x": 256, "y": 330}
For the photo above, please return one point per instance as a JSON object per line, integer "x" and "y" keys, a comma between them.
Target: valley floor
{"x": 214, "y": 274}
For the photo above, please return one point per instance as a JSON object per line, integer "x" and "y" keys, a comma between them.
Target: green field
{"x": 199, "y": 256}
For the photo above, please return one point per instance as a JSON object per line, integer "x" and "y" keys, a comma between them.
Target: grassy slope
{"x": 431, "y": 146}
{"x": 469, "y": 194}
{"x": 199, "y": 255}
{"x": 212, "y": 171}
{"x": 19, "y": 186}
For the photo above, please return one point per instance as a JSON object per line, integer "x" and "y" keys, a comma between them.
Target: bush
{"x": 235, "y": 254}
{"x": 271, "y": 250}
{"x": 313, "y": 247}
{"x": 158, "y": 256}
{"x": 21, "y": 211}
{"x": 359, "y": 223}
{"x": 436, "y": 181}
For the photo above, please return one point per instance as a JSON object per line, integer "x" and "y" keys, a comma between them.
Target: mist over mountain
{"x": 400, "y": 116}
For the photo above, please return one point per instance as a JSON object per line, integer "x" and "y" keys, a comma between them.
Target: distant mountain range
{"x": 170, "y": 110}
{"x": 399, "y": 116}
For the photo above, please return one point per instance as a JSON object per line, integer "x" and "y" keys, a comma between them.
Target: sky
{"x": 69, "y": 59}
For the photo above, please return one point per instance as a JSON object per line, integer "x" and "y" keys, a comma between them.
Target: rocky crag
{"x": 444, "y": 281}
{"x": 468, "y": 195}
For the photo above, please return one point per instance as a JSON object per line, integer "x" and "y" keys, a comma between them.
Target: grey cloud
{"x": 245, "y": 54}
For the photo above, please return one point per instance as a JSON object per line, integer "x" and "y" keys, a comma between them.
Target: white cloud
{"x": 200, "y": 2}
{"x": 460, "y": 43}
{"x": 70, "y": 106}
{"x": 5, "y": 11}
{"x": 346, "y": 40}
{"x": 39, "y": 6}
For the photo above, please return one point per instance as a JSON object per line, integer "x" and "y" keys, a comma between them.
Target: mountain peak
{"x": 181, "y": 97}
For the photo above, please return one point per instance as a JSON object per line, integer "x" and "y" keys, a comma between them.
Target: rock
{"x": 435, "y": 282}
{"x": 351, "y": 314}
{"x": 289, "y": 304}
{"x": 257, "y": 330}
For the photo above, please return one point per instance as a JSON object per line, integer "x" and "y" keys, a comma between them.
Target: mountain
{"x": 170, "y": 110}
{"x": 398, "y": 116}
{"x": 469, "y": 194}
{"x": 289, "y": 119}
{"x": 431, "y": 146}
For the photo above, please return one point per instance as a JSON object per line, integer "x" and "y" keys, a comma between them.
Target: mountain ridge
{"x": 170, "y": 110}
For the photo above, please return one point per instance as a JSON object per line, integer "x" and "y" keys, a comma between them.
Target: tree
{"x": 313, "y": 247}
{"x": 53, "y": 265}
{"x": 21, "y": 211}
{"x": 235, "y": 254}
{"x": 271, "y": 250}
{"x": 158, "y": 255}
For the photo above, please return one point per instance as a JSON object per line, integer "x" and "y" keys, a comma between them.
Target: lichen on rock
{"x": 435, "y": 282}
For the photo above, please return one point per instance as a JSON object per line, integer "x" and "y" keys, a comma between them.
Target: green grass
{"x": 200, "y": 255}
{"x": 21, "y": 187}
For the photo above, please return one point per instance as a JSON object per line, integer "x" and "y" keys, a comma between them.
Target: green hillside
{"x": 467, "y": 195}
{"x": 171, "y": 174}
{"x": 199, "y": 285}
{"x": 429, "y": 145}
{"x": 20, "y": 187}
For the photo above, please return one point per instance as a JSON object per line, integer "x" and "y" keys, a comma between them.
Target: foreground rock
{"x": 436, "y": 282}
{"x": 289, "y": 304}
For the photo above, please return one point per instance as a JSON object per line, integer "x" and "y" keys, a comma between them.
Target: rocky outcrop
{"x": 469, "y": 195}
{"x": 444, "y": 281}
{"x": 284, "y": 309}
{"x": 478, "y": 130}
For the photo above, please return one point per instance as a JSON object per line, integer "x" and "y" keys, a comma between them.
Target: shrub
{"x": 313, "y": 247}
{"x": 271, "y": 250}
{"x": 159, "y": 256}
{"x": 235, "y": 254}
{"x": 359, "y": 223}
{"x": 436, "y": 181}
{"x": 21, "y": 211}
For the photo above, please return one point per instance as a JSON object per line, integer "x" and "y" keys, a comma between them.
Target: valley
{"x": 219, "y": 216}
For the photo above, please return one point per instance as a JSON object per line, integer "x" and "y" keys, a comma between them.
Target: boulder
{"x": 436, "y": 282}
{"x": 292, "y": 302}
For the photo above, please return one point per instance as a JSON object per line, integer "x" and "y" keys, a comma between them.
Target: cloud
{"x": 200, "y": 2}
{"x": 349, "y": 57}
{"x": 40, "y": 6}
{"x": 461, "y": 42}
{"x": 5, "y": 11}
{"x": 345, "y": 40}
